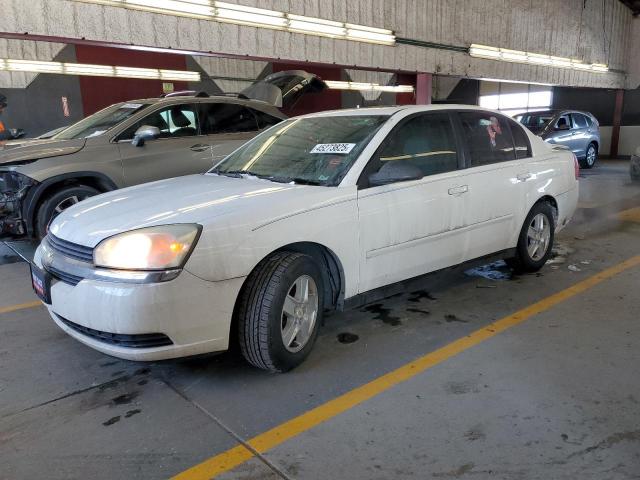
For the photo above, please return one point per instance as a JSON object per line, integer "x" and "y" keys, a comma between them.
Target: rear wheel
{"x": 59, "y": 201}
{"x": 590, "y": 157}
{"x": 535, "y": 240}
{"x": 279, "y": 311}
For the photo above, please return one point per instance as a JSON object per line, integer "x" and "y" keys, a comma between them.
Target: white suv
{"x": 310, "y": 215}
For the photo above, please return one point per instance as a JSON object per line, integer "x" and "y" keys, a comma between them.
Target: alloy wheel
{"x": 591, "y": 155}
{"x": 299, "y": 313}
{"x": 538, "y": 236}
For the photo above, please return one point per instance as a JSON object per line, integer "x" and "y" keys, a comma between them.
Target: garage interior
{"x": 478, "y": 372}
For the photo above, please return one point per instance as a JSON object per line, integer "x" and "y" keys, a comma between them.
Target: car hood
{"x": 37, "y": 149}
{"x": 200, "y": 199}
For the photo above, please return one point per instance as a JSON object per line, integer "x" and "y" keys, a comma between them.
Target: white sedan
{"x": 316, "y": 213}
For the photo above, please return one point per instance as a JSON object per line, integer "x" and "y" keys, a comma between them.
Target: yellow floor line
{"x": 630, "y": 215}
{"x": 20, "y": 306}
{"x": 233, "y": 457}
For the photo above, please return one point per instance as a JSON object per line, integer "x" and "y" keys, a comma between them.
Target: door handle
{"x": 459, "y": 190}
{"x": 199, "y": 147}
{"x": 523, "y": 177}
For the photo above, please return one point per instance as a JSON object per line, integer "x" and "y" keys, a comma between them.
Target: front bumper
{"x": 194, "y": 314}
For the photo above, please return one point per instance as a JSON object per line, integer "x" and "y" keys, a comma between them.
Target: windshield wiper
{"x": 230, "y": 173}
{"x": 305, "y": 181}
{"x": 299, "y": 181}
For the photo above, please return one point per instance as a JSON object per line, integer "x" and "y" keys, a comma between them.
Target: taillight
{"x": 576, "y": 166}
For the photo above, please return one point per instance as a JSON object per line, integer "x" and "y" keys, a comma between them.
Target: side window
{"x": 174, "y": 121}
{"x": 264, "y": 119}
{"x": 563, "y": 120}
{"x": 520, "y": 140}
{"x": 487, "y": 138}
{"x": 426, "y": 141}
{"x": 579, "y": 120}
{"x": 227, "y": 118}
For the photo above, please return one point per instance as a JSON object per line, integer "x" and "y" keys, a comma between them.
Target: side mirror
{"x": 394, "y": 171}
{"x": 564, "y": 126}
{"x": 144, "y": 133}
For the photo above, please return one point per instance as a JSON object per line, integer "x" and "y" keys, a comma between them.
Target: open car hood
{"x": 283, "y": 89}
{"x": 37, "y": 149}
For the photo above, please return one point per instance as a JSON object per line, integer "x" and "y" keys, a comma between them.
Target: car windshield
{"x": 312, "y": 150}
{"x": 98, "y": 123}
{"x": 537, "y": 120}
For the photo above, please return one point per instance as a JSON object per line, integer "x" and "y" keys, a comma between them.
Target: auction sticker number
{"x": 343, "y": 148}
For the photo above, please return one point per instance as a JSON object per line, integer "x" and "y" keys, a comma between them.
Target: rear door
{"x": 229, "y": 125}
{"x": 180, "y": 149}
{"x": 414, "y": 227}
{"x": 491, "y": 205}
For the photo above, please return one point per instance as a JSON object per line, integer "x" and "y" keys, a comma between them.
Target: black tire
{"x": 47, "y": 210}
{"x": 590, "y": 156}
{"x": 634, "y": 168}
{"x": 260, "y": 311}
{"x": 523, "y": 261}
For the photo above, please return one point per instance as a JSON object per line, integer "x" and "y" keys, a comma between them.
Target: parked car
{"x": 135, "y": 142}
{"x": 579, "y": 131}
{"x": 318, "y": 212}
{"x": 24, "y": 141}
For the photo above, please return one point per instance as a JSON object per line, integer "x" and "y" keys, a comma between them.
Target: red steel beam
{"x": 617, "y": 120}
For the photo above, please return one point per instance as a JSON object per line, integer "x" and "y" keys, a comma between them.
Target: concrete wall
{"x": 37, "y": 107}
{"x": 25, "y": 50}
{"x": 633, "y": 58}
{"x": 599, "y": 32}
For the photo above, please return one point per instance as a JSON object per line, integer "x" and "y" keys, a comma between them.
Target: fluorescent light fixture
{"x": 35, "y": 66}
{"x": 257, "y": 17}
{"x": 507, "y": 55}
{"x": 362, "y": 86}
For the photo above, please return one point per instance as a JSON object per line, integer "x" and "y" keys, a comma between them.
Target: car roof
{"x": 557, "y": 112}
{"x": 388, "y": 111}
{"x": 180, "y": 99}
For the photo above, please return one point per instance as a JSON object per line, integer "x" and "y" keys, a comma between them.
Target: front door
{"x": 413, "y": 227}
{"x": 580, "y": 134}
{"x": 180, "y": 149}
{"x": 562, "y": 132}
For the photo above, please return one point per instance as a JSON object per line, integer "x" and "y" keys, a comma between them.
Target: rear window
{"x": 487, "y": 137}
{"x": 579, "y": 120}
{"x": 520, "y": 140}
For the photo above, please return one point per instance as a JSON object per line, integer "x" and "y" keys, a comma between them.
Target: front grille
{"x": 64, "y": 276}
{"x": 140, "y": 340}
{"x": 69, "y": 249}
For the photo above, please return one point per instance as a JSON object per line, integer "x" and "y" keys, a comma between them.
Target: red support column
{"x": 423, "y": 89}
{"x": 617, "y": 119}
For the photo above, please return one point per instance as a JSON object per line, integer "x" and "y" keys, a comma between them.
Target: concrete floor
{"x": 555, "y": 397}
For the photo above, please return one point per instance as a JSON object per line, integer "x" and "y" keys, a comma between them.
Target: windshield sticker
{"x": 343, "y": 148}
{"x": 131, "y": 105}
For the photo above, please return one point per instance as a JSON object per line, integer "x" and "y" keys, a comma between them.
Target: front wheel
{"x": 56, "y": 203}
{"x": 535, "y": 240}
{"x": 279, "y": 311}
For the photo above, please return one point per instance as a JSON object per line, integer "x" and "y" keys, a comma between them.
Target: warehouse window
{"x": 515, "y": 98}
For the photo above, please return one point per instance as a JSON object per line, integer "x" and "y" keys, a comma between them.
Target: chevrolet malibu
{"x": 316, "y": 213}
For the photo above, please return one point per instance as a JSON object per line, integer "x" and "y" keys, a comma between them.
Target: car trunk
{"x": 284, "y": 89}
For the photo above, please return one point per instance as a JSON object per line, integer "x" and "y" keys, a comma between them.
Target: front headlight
{"x": 153, "y": 248}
